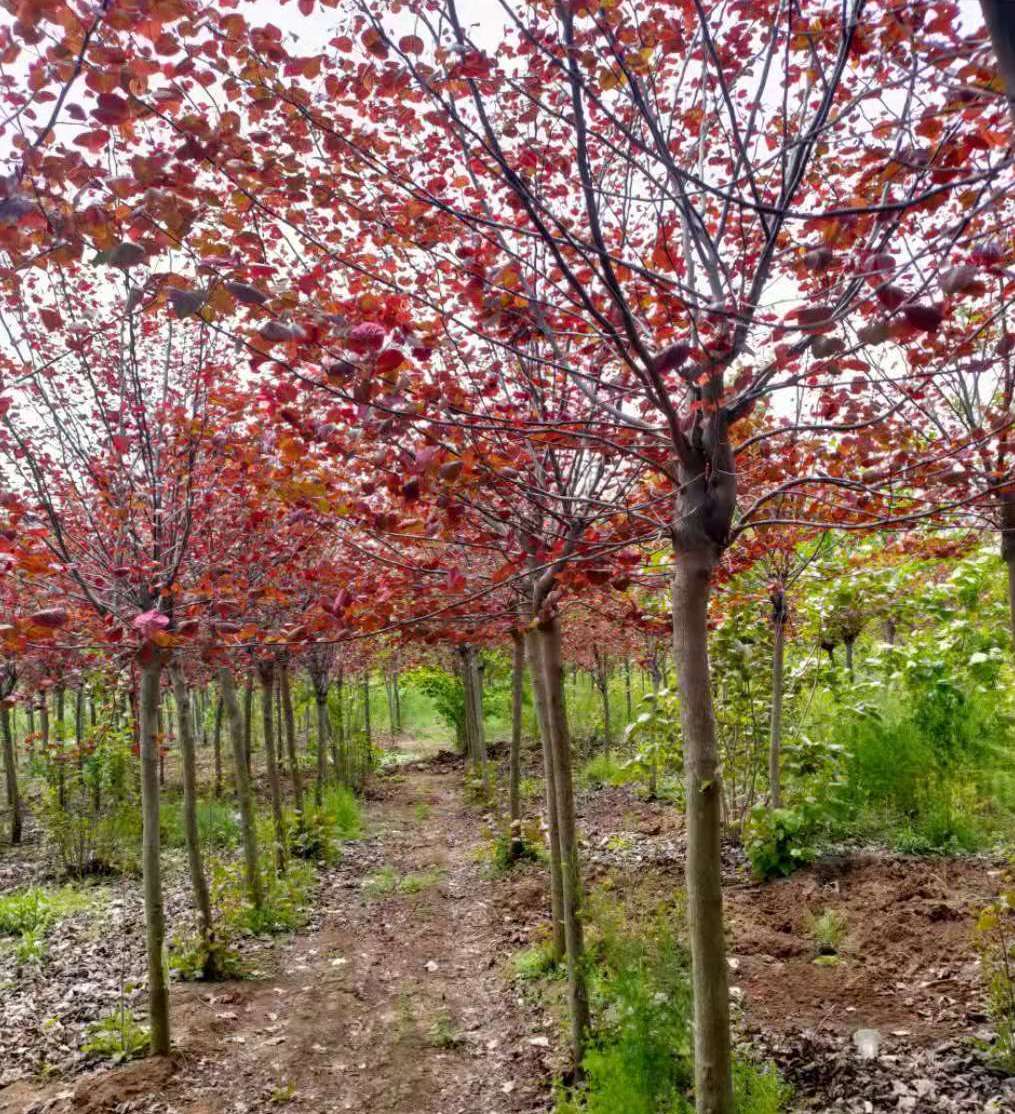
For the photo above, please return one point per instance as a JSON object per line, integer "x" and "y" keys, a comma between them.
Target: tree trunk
{"x": 11, "y": 771}
{"x": 267, "y": 677}
{"x": 321, "y": 699}
{"x": 188, "y": 765}
{"x": 248, "y": 723}
{"x": 341, "y": 743}
{"x": 775, "y": 735}
{"x": 280, "y": 747}
{"x": 217, "y": 746}
{"x": 627, "y": 686}
{"x": 248, "y": 821}
{"x": 155, "y": 924}
{"x": 398, "y": 702}
{"x": 848, "y": 643}
{"x": 999, "y": 16}
{"x": 571, "y": 881}
{"x": 477, "y": 712}
{"x": 290, "y": 738}
{"x": 534, "y": 653}
{"x": 515, "y": 763}
{"x": 712, "y": 1057}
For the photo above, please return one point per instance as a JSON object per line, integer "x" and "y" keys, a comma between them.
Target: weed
{"x": 779, "y": 841}
{"x": 29, "y": 913}
{"x": 117, "y": 1037}
{"x": 536, "y": 962}
{"x": 606, "y": 769}
{"x": 283, "y": 1092}
{"x": 828, "y": 930}
{"x": 443, "y": 1033}
{"x": 387, "y": 881}
{"x": 218, "y": 824}
{"x": 192, "y": 960}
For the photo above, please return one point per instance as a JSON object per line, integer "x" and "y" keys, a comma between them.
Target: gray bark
{"x": 248, "y": 822}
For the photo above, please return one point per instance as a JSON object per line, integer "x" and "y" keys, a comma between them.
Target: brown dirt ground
{"x": 395, "y": 1004}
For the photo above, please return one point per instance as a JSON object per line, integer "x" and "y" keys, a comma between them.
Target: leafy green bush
{"x": 780, "y": 841}
{"x": 608, "y": 769}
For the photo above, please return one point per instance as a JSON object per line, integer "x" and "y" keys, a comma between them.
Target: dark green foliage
{"x": 779, "y": 841}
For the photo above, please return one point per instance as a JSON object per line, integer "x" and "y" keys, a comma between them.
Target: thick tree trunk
{"x": 10, "y": 771}
{"x": 248, "y": 820}
{"x": 999, "y": 16}
{"x": 155, "y": 924}
{"x": 290, "y": 738}
{"x": 515, "y": 762}
{"x": 571, "y": 881}
{"x": 712, "y": 1056}
{"x": 188, "y": 764}
{"x": 775, "y": 734}
{"x": 533, "y": 651}
{"x": 267, "y": 677}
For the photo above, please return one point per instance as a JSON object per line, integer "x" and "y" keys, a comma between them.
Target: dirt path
{"x": 393, "y": 1002}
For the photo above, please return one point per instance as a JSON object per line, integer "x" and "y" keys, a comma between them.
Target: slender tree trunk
{"x": 476, "y": 668}
{"x": 10, "y": 771}
{"x": 161, "y": 722}
{"x": 342, "y": 771}
{"x": 571, "y": 880}
{"x": 469, "y": 711}
{"x": 58, "y": 731}
{"x": 712, "y": 1055}
{"x": 389, "y": 693}
{"x": 248, "y": 723}
{"x": 775, "y": 735}
{"x": 398, "y": 701}
{"x": 248, "y": 821}
{"x": 267, "y": 676}
{"x": 188, "y": 763}
{"x": 155, "y": 924}
{"x": 627, "y": 686}
{"x": 280, "y": 748}
{"x": 534, "y": 653}
{"x": 848, "y": 643}
{"x": 217, "y": 746}
{"x": 290, "y": 738}
{"x": 321, "y": 699}
{"x": 515, "y": 763}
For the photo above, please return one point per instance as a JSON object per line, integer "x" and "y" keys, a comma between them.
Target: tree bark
{"x": 217, "y": 746}
{"x": 999, "y": 16}
{"x": 155, "y": 924}
{"x": 534, "y": 653}
{"x": 321, "y": 700}
{"x": 248, "y": 824}
{"x": 248, "y": 723}
{"x": 188, "y": 762}
{"x": 11, "y": 771}
{"x": 775, "y": 734}
{"x": 340, "y": 748}
{"x": 267, "y": 676}
{"x": 571, "y": 881}
{"x": 712, "y": 1056}
{"x": 515, "y": 762}
{"x": 290, "y": 737}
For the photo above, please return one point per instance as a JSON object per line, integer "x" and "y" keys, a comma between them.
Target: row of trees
{"x": 399, "y": 334}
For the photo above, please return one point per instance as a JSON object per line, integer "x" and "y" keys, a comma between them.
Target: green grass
{"x": 536, "y": 962}
{"x": 606, "y": 769}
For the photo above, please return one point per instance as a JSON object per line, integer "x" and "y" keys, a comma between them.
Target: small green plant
{"x": 387, "y": 881}
{"x": 537, "y": 962}
{"x": 117, "y": 1037}
{"x": 995, "y": 942}
{"x": 779, "y": 841}
{"x": 759, "y": 1089}
{"x": 443, "y": 1033}
{"x": 828, "y": 930}
{"x": 283, "y": 1092}
{"x": 191, "y": 959}
{"x": 503, "y": 853}
{"x": 607, "y": 769}
{"x": 218, "y": 824}
{"x": 284, "y": 905}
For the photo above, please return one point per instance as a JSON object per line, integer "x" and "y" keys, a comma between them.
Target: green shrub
{"x": 779, "y": 841}
{"x": 758, "y": 1088}
{"x": 193, "y": 960}
{"x": 536, "y": 962}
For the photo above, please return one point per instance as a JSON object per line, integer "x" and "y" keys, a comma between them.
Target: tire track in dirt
{"x": 394, "y": 1003}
